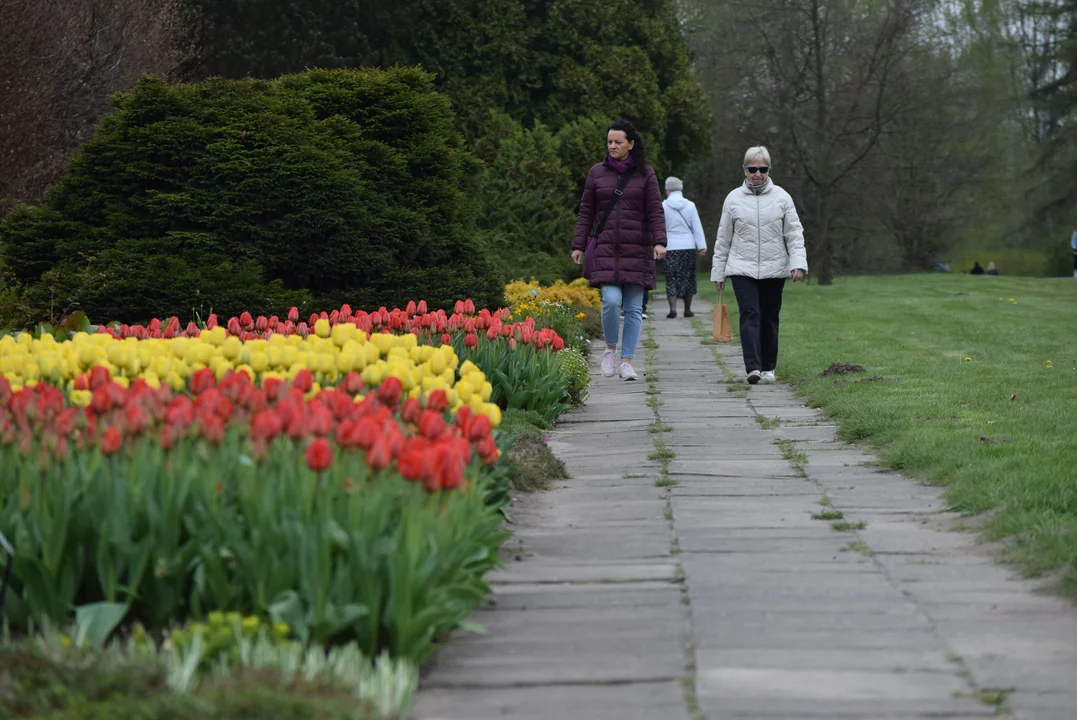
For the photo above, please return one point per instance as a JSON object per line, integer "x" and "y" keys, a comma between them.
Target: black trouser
{"x": 760, "y": 302}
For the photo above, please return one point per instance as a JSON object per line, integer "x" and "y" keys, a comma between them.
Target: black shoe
{"x": 689, "y": 313}
{"x": 672, "y": 314}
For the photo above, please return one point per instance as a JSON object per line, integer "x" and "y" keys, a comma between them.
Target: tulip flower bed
{"x": 360, "y": 518}
{"x": 339, "y": 477}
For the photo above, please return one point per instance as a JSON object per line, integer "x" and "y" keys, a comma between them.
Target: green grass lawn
{"x": 978, "y": 392}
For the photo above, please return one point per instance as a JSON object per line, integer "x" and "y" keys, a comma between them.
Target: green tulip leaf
{"x": 96, "y": 621}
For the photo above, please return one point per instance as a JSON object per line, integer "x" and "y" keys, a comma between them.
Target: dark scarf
{"x": 621, "y": 166}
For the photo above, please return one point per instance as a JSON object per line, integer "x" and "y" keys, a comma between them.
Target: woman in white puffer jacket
{"x": 760, "y": 244}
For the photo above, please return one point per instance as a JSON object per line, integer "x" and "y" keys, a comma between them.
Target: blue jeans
{"x": 631, "y": 297}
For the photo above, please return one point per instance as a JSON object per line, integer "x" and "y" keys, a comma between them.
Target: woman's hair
{"x": 639, "y": 152}
{"x": 759, "y": 151}
{"x": 673, "y": 183}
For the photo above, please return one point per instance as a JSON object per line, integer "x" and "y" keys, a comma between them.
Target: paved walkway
{"x": 681, "y": 575}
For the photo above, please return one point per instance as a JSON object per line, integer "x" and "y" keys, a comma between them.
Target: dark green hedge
{"x": 316, "y": 189}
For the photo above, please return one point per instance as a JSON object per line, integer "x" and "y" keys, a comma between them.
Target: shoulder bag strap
{"x": 601, "y": 225}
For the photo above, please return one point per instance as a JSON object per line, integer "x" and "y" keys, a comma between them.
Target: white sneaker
{"x": 768, "y": 376}
{"x": 753, "y": 377}
{"x": 609, "y": 363}
{"x": 644, "y": 316}
{"x": 627, "y": 373}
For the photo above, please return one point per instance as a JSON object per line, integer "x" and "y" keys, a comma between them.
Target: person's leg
{"x": 690, "y": 286}
{"x": 747, "y": 291}
{"x": 611, "y": 327}
{"x": 646, "y": 298}
{"x": 633, "y": 304}
{"x": 611, "y": 314}
{"x": 672, "y": 306}
{"x": 770, "y": 305}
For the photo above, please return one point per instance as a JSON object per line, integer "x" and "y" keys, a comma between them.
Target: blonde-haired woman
{"x": 760, "y": 244}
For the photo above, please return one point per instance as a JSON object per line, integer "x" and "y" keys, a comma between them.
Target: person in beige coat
{"x": 760, "y": 244}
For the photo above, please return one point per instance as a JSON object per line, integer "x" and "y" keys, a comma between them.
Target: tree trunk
{"x": 822, "y": 254}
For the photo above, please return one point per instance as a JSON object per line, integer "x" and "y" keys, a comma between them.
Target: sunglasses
{"x": 753, "y": 169}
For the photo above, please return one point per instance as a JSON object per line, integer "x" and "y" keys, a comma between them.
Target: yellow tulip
{"x": 232, "y": 347}
{"x": 493, "y": 412}
{"x": 321, "y": 328}
{"x": 80, "y": 398}
{"x": 464, "y": 390}
{"x": 342, "y": 333}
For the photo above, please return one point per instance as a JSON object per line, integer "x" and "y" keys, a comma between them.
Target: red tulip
{"x": 303, "y": 381}
{"x": 202, "y": 380}
{"x": 319, "y": 455}
{"x": 379, "y": 456}
{"x": 321, "y": 420}
{"x": 261, "y": 324}
{"x": 437, "y": 401}
{"x": 390, "y": 390}
{"x": 353, "y": 383}
{"x": 421, "y": 307}
{"x": 233, "y": 326}
{"x": 99, "y": 376}
{"x": 471, "y": 341}
{"x": 345, "y": 312}
{"x": 450, "y": 470}
{"x": 110, "y": 441}
{"x": 293, "y": 314}
{"x": 558, "y": 344}
{"x": 272, "y": 387}
{"x": 364, "y": 433}
{"x": 432, "y": 425}
{"x": 478, "y": 428}
{"x": 211, "y": 321}
{"x": 446, "y": 339}
{"x": 266, "y": 425}
{"x": 412, "y": 411}
{"x": 487, "y": 449}
{"x": 413, "y": 463}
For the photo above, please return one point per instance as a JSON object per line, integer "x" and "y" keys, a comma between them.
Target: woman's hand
{"x": 577, "y": 256}
{"x": 659, "y": 252}
{"x": 703, "y": 252}
{"x": 798, "y": 275}
{"x": 719, "y": 286}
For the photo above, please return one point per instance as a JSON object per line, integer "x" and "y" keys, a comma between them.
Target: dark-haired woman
{"x": 621, "y": 252}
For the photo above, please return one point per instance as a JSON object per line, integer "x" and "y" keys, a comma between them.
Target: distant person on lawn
{"x": 620, "y": 255}
{"x": 1073, "y": 247}
{"x": 991, "y": 269}
{"x": 977, "y": 269}
{"x": 760, "y": 244}
{"x": 685, "y": 240}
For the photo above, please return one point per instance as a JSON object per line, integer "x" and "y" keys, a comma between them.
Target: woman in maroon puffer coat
{"x": 623, "y": 252}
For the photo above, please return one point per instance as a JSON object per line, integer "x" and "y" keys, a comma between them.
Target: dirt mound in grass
{"x": 841, "y": 369}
